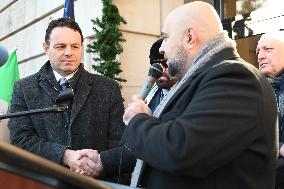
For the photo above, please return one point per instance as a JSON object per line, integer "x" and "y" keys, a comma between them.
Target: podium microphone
{"x": 155, "y": 72}
{"x": 4, "y": 55}
{"x": 63, "y": 99}
{"x": 65, "y": 96}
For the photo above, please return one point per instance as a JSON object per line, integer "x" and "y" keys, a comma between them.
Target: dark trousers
{"x": 279, "y": 182}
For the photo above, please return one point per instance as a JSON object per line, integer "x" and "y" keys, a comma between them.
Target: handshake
{"x": 85, "y": 162}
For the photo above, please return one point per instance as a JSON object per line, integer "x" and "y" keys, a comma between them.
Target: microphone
{"x": 155, "y": 72}
{"x": 65, "y": 96}
{"x": 4, "y": 55}
{"x": 62, "y": 100}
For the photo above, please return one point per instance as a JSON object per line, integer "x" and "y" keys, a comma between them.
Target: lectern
{"x": 22, "y": 169}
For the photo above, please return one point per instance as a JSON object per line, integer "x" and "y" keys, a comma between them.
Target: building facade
{"x": 23, "y": 24}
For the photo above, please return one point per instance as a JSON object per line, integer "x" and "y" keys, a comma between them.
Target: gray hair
{"x": 276, "y": 35}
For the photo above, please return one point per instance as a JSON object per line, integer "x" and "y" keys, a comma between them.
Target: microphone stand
{"x": 53, "y": 109}
{"x": 61, "y": 104}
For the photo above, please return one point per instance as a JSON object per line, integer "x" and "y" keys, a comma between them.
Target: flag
{"x": 69, "y": 9}
{"x": 9, "y": 73}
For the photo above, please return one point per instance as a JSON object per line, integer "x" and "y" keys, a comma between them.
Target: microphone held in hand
{"x": 155, "y": 72}
{"x": 4, "y": 55}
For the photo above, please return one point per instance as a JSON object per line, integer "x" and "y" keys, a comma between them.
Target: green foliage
{"x": 107, "y": 43}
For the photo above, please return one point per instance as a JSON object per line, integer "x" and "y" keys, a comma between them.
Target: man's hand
{"x": 82, "y": 161}
{"x": 281, "y": 151}
{"x": 97, "y": 167}
{"x": 135, "y": 106}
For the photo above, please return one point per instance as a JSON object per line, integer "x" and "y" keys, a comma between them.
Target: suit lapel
{"x": 48, "y": 82}
{"x": 82, "y": 91}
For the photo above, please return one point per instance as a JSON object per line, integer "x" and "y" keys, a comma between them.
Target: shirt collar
{"x": 165, "y": 92}
{"x": 58, "y": 76}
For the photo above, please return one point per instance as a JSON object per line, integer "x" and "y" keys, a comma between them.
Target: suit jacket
{"x": 218, "y": 131}
{"x": 154, "y": 99}
{"x": 95, "y": 122}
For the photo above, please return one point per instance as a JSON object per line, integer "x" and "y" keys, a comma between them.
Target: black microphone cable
{"x": 120, "y": 164}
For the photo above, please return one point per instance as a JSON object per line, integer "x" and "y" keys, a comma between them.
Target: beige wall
{"x": 23, "y": 24}
{"x": 144, "y": 25}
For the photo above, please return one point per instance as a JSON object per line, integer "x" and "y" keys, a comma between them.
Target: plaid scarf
{"x": 215, "y": 45}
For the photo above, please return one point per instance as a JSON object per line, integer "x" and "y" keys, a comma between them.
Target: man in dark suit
{"x": 217, "y": 127}
{"x": 93, "y": 119}
{"x": 270, "y": 49}
{"x": 163, "y": 84}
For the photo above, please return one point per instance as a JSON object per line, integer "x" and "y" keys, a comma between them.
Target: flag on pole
{"x": 9, "y": 73}
{"x": 69, "y": 9}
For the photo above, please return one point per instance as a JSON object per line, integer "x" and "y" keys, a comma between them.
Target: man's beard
{"x": 176, "y": 65}
{"x": 167, "y": 83}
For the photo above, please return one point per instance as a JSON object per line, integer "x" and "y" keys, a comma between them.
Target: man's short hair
{"x": 62, "y": 22}
{"x": 276, "y": 35}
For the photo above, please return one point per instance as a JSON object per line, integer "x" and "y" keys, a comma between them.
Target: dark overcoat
{"x": 218, "y": 131}
{"x": 95, "y": 121}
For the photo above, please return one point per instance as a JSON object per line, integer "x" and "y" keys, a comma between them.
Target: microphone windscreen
{"x": 4, "y": 55}
{"x": 65, "y": 96}
{"x": 156, "y": 70}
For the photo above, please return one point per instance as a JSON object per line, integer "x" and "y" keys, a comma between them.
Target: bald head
{"x": 186, "y": 31}
{"x": 198, "y": 15}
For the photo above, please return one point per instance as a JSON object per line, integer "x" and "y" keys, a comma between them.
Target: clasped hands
{"x": 85, "y": 162}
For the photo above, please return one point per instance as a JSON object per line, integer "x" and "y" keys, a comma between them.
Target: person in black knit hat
{"x": 163, "y": 84}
